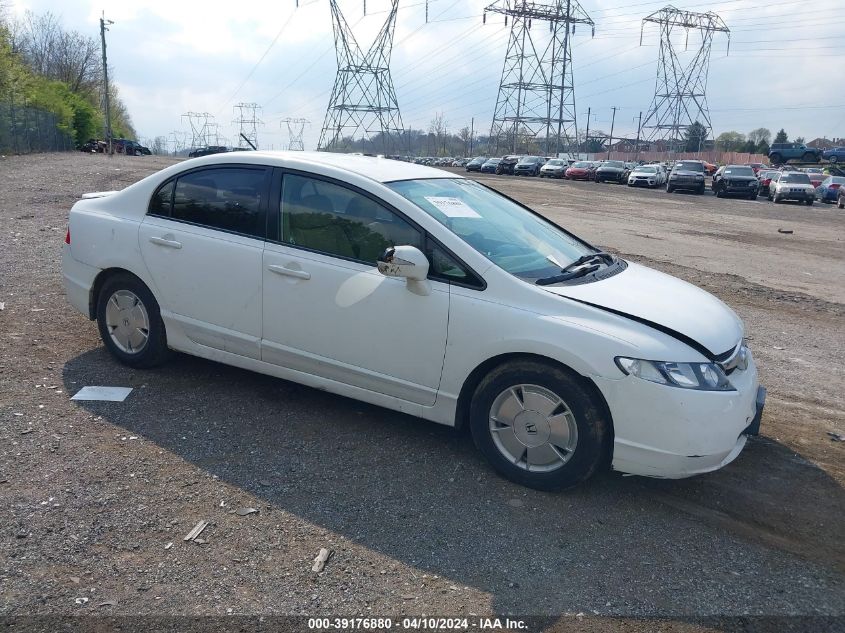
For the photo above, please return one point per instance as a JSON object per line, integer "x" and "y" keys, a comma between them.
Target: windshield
{"x": 529, "y": 160}
{"x": 494, "y": 161}
{"x": 796, "y": 178}
{"x": 739, "y": 171}
{"x": 507, "y": 234}
{"x": 836, "y": 180}
{"x": 555, "y": 162}
{"x": 689, "y": 166}
{"x": 646, "y": 170}
{"x": 582, "y": 165}
{"x": 613, "y": 163}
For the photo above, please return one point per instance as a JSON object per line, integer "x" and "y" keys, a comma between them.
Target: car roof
{"x": 378, "y": 169}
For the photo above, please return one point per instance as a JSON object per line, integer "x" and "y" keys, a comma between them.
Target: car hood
{"x": 665, "y": 303}
{"x": 619, "y": 169}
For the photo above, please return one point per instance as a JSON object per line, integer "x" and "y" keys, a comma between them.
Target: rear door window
{"x": 226, "y": 198}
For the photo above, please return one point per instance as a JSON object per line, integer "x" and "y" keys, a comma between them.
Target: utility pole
{"x": 612, "y": 123}
{"x": 587, "y": 139}
{"x": 471, "y": 134}
{"x": 103, "y": 30}
{"x": 639, "y": 127}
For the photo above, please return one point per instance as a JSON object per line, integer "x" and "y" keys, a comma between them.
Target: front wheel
{"x": 810, "y": 203}
{"x": 539, "y": 425}
{"x": 776, "y": 159}
{"x": 669, "y": 189}
{"x": 700, "y": 190}
{"x": 833, "y": 159}
{"x": 130, "y": 323}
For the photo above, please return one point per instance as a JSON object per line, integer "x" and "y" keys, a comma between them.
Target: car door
{"x": 329, "y": 312}
{"x": 202, "y": 241}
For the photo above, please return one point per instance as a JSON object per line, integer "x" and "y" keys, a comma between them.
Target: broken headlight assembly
{"x": 699, "y": 376}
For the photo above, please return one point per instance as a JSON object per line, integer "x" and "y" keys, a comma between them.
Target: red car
{"x": 765, "y": 178}
{"x": 816, "y": 177}
{"x": 583, "y": 170}
{"x": 757, "y": 167}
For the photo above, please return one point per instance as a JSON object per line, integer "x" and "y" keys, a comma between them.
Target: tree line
{"x": 45, "y": 66}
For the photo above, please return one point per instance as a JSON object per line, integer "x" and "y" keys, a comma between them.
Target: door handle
{"x": 289, "y": 272}
{"x": 164, "y": 242}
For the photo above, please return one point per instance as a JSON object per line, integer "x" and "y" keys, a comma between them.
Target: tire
{"x": 126, "y": 288}
{"x": 841, "y": 204}
{"x": 719, "y": 193}
{"x": 776, "y": 199}
{"x": 700, "y": 191}
{"x": 809, "y": 202}
{"x": 776, "y": 158}
{"x": 583, "y": 430}
{"x": 752, "y": 196}
{"x": 810, "y": 157}
{"x": 669, "y": 189}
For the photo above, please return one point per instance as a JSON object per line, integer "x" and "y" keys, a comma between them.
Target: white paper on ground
{"x": 111, "y": 394}
{"x": 452, "y": 207}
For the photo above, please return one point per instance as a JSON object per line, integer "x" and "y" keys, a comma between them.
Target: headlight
{"x": 699, "y": 177}
{"x": 700, "y": 376}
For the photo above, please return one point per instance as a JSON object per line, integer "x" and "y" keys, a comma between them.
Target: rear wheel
{"x": 809, "y": 157}
{"x": 776, "y": 158}
{"x": 130, "y": 323}
{"x": 777, "y": 199}
{"x": 669, "y": 189}
{"x": 539, "y": 425}
{"x": 810, "y": 203}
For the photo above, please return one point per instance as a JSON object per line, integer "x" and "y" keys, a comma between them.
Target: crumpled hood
{"x": 670, "y": 303}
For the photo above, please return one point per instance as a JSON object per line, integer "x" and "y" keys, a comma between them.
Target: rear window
{"x": 646, "y": 170}
{"x": 614, "y": 163}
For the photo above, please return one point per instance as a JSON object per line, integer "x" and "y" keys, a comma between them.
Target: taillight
{"x": 67, "y": 236}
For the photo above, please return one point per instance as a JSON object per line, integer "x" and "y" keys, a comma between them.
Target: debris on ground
{"x": 836, "y": 437}
{"x": 321, "y": 559}
{"x": 107, "y": 603}
{"x": 108, "y": 394}
{"x": 786, "y": 231}
{"x": 169, "y": 545}
{"x": 198, "y": 528}
{"x": 81, "y": 600}
{"x": 242, "y": 512}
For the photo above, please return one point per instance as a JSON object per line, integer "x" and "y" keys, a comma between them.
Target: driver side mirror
{"x": 408, "y": 262}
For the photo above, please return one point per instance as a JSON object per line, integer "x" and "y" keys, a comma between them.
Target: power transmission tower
{"x": 248, "y": 123}
{"x": 201, "y": 123}
{"x": 363, "y": 99}
{"x": 536, "y": 94}
{"x": 680, "y": 92}
{"x": 176, "y": 141}
{"x": 296, "y": 128}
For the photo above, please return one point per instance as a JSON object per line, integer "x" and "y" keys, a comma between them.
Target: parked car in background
{"x": 94, "y": 146}
{"x": 828, "y": 189}
{"x": 757, "y": 167}
{"x": 476, "y": 163}
{"x": 735, "y": 180}
{"x": 491, "y": 166}
{"x": 816, "y": 175}
{"x": 785, "y": 152}
{"x": 529, "y": 166}
{"x": 579, "y": 171}
{"x": 765, "y": 177}
{"x": 554, "y": 168}
{"x": 207, "y": 151}
{"x": 130, "y": 148}
{"x": 687, "y": 175}
{"x": 507, "y": 164}
{"x": 792, "y": 185}
{"x": 423, "y": 292}
{"x": 647, "y": 176}
{"x": 709, "y": 168}
{"x": 610, "y": 171}
{"x": 835, "y": 155}
{"x": 840, "y": 198}
{"x": 460, "y": 162}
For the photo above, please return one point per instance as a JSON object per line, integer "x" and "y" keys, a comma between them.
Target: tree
{"x": 437, "y": 127}
{"x": 750, "y": 147}
{"x": 695, "y": 136}
{"x": 730, "y": 141}
{"x": 781, "y": 137}
{"x": 464, "y": 135}
{"x": 799, "y": 139}
{"x": 760, "y": 135}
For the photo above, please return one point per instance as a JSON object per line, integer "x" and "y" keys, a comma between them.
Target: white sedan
{"x": 647, "y": 176}
{"x": 421, "y": 291}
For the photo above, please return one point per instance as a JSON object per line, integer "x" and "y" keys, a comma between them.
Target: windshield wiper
{"x": 577, "y": 269}
{"x": 556, "y": 279}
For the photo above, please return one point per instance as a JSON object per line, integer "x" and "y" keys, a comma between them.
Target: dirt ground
{"x": 92, "y": 495}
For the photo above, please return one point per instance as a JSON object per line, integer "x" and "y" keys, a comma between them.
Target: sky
{"x": 169, "y": 57}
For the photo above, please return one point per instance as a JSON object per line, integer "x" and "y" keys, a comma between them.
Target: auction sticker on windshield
{"x": 452, "y": 207}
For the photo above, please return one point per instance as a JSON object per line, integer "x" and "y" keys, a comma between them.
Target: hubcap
{"x": 127, "y": 322}
{"x": 533, "y": 428}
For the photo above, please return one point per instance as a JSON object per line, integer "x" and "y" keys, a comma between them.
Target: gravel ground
{"x": 94, "y": 493}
